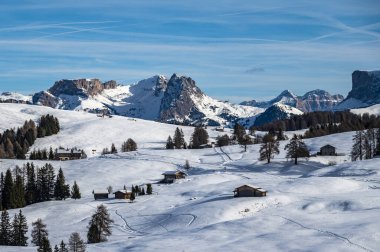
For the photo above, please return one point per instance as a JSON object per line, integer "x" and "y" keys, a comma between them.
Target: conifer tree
{"x": 51, "y": 153}
{"x": 149, "y": 189}
{"x": 199, "y": 137}
{"x": 296, "y": 148}
{"x": 39, "y": 233}
{"x": 132, "y": 197}
{"x": 187, "y": 165}
{"x": 20, "y": 230}
{"x": 239, "y": 131}
{"x": 45, "y": 245}
{"x": 5, "y": 229}
{"x": 30, "y": 188}
{"x": 76, "y": 244}
{"x": 75, "y": 192}
{"x": 62, "y": 247}
{"x": 61, "y": 189}
{"x": 178, "y": 139}
{"x": 19, "y": 192}
{"x": 99, "y": 226}
{"x": 142, "y": 191}
{"x": 269, "y": 148}
{"x": 169, "y": 143}
{"x": 7, "y": 192}
{"x": 369, "y": 143}
{"x": 377, "y": 152}
{"x": 244, "y": 141}
{"x": 113, "y": 149}
{"x": 357, "y": 151}
{"x": 56, "y": 249}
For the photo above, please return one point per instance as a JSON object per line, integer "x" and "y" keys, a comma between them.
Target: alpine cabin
{"x": 249, "y": 191}
{"x": 171, "y": 176}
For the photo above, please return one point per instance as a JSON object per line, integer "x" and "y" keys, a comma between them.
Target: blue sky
{"x": 234, "y": 50}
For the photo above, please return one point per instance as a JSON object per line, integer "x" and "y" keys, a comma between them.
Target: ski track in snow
{"x": 329, "y": 233}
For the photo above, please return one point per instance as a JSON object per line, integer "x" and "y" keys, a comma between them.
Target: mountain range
{"x": 179, "y": 100}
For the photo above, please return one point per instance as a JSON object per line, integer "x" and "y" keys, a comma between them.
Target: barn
{"x": 100, "y": 195}
{"x": 249, "y": 191}
{"x": 171, "y": 176}
{"x": 327, "y": 150}
{"x": 122, "y": 194}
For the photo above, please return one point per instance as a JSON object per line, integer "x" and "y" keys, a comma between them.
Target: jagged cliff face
{"x": 81, "y": 87}
{"x": 365, "y": 87}
{"x": 177, "y": 104}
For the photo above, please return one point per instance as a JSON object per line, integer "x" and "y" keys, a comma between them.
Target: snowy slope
{"x": 372, "y": 110}
{"x": 13, "y": 96}
{"x": 309, "y": 207}
{"x": 277, "y": 111}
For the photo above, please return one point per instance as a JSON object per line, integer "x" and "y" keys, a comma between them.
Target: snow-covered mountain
{"x": 176, "y": 100}
{"x": 316, "y": 100}
{"x": 12, "y": 97}
{"x": 275, "y": 112}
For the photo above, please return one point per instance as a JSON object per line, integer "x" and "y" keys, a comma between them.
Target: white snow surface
{"x": 372, "y": 110}
{"x": 15, "y": 96}
{"x": 309, "y": 207}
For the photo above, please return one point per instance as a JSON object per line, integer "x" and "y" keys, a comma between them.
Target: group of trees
{"x": 296, "y": 148}
{"x": 16, "y": 143}
{"x": 13, "y": 233}
{"x": 40, "y": 238}
{"x": 99, "y": 227}
{"x": 32, "y": 184}
{"x": 42, "y": 154}
{"x": 129, "y": 145}
{"x": 198, "y": 138}
{"x": 366, "y": 144}
{"x": 322, "y": 123}
{"x": 178, "y": 141}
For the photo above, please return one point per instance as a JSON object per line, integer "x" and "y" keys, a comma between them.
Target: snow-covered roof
{"x": 122, "y": 191}
{"x": 100, "y": 192}
{"x": 252, "y": 186}
{"x": 63, "y": 151}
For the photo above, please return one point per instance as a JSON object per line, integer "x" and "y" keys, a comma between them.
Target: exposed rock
{"x": 277, "y": 111}
{"x": 45, "y": 99}
{"x": 365, "y": 87}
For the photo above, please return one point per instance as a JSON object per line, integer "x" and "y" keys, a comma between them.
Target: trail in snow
{"x": 329, "y": 233}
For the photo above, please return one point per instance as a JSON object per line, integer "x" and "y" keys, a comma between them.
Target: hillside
{"x": 312, "y": 206}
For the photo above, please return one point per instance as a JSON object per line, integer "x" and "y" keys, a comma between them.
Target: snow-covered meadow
{"x": 309, "y": 207}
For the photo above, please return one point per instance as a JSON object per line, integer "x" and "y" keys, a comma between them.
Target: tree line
{"x": 32, "y": 184}
{"x": 366, "y": 144}
{"x": 15, "y": 143}
{"x": 322, "y": 123}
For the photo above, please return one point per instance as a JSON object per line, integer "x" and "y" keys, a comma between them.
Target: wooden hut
{"x": 100, "y": 195}
{"x": 171, "y": 176}
{"x": 65, "y": 154}
{"x": 327, "y": 150}
{"x": 122, "y": 194}
{"x": 249, "y": 191}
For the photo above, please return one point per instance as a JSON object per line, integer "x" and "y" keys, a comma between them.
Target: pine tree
{"x": 5, "y": 229}
{"x": 19, "y": 192}
{"x": 169, "y": 143}
{"x": 369, "y": 143}
{"x": 244, "y": 141}
{"x": 99, "y": 226}
{"x": 75, "y": 192}
{"x": 51, "y": 153}
{"x": 56, "y": 249}
{"x": 7, "y": 192}
{"x": 76, "y": 244}
{"x": 199, "y": 137}
{"x": 269, "y": 148}
{"x": 377, "y": 152}
{"x": 239, "y": 131}
{"x": 132, "y": 197}
{"x": 39, "y": 233}
{"x": 178, "y": 139}
{"x": 296, "y": 148}
{"x": 357, "y": 151}
{"x": 113, "y": 149}
{"x": 45, "y": 245}
{"x": 62, "y": 247}
{"x": 61, "y": 189}
{"x": 149, "y": 189}
{"x": 30, "y": 188}
{"x": 142, "y": 191}
{"x": 20, "y": 230}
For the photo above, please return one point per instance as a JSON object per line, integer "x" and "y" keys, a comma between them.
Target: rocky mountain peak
{"x": 80, "y": 87}
{"x": 365, "y": 86}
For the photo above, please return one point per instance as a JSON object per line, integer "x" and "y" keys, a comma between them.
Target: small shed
{"x": 100, "y": 195}
{"x": 249, "y": 191}
{"x": 171, "y": 176}
{"x": 327, "y": 150}
{"x": 122, "y": 194}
